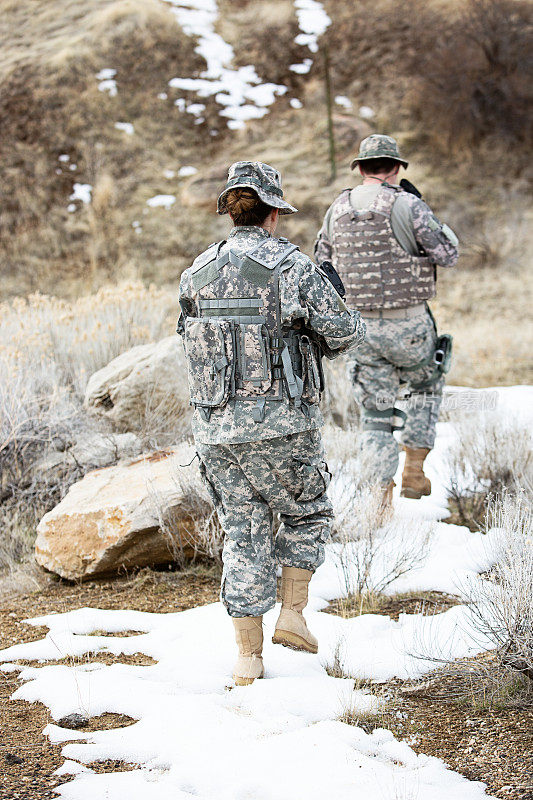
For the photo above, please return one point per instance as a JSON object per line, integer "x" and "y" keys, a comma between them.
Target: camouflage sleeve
{"x": 187, "y": 306}
{"x": 307, "y": 295}
{"x": 322, "y": 243}
{"x": 438, "y": 240}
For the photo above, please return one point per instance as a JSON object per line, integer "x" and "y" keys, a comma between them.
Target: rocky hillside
{"x": 120, "y": 117}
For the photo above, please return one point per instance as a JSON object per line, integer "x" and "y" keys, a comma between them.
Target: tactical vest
{"x": 376, "y": 271}
{"x": 236, "y": 347}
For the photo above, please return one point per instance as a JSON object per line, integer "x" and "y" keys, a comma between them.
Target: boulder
{"x": 148, "y": 381}
{"x": 90, "y": 450}
{"x": 139, "y": 513}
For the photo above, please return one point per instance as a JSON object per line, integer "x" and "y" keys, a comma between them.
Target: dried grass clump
{"x": 202, "y": 536}
{"x": 502, "y": 607}
{"x": 487, "y": 459}
{"x": 74, "y": 339}
{"x": 372, "y": 549}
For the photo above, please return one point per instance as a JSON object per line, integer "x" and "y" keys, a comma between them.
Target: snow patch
{"x": 303, "y": 68}
{"x": 81, "y": 191}
{"x": 365, "y": 112}
{"x": 343, "y": 101}
{"x": 313, "y": 22}
{"x": 186, "y": 171}
{"x": 238, "y": 89}
{"x": 107, "y": 82}
{"x": 161, "y": 201}
{"x": 126, "y": 127}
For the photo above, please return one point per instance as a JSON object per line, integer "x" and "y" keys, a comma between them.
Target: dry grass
{"x": 492, "y": 458}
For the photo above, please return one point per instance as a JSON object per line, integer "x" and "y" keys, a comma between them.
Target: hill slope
{"x": 107, "y": 106}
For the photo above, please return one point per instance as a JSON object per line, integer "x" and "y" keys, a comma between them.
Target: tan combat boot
{"x": 414, "y": 482}
{"x": 291, "y": 628}
{"x": 249, "y": 638}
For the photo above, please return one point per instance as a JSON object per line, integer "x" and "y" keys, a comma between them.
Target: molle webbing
{"x": 376, "y": 271}
{"x": 239, "y": 291}
{"x": 255, "y": 266}
{"x": 240, "y": 309}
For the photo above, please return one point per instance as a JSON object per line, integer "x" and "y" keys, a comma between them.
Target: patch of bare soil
{"x": 494, "y": 746}
{"x": 27, "y": 759}
{"x": 408, "y": 603}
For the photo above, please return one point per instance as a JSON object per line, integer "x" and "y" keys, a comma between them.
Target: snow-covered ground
{"x": 279, "y": 738}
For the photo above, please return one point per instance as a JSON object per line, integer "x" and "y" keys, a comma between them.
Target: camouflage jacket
{"x": 377, "y": 271}
{"x": 306, "y": 298}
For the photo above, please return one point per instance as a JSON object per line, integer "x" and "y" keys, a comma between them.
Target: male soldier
{"x": 256, "y": 315}
{"x": 385, "y": 243}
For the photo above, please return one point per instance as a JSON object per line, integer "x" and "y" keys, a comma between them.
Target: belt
{"x": 395, "y": 313}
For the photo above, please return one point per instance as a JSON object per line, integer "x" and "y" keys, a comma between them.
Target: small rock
{"x": 74, "y": 721}
{"x": 11, "y": 758}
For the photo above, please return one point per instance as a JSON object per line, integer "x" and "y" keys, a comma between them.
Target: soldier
{"x": 385, "y": 243}
{"x": 256, "y": 315}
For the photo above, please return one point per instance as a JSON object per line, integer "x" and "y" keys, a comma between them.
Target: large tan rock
{"x": 135, "y": 514}
{"x": 140, "y": 385}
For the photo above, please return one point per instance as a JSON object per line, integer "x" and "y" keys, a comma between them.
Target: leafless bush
{"x": 502, "y": 608}
{"x": 49, "y": 348}
{"x": 500, "y": 621}
{"x": 373, "y": 550}
{"x": 474, "y": 82}
{"x": 492, "y": 456}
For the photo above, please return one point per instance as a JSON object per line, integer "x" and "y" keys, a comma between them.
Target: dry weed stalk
{"x": 487, "y": 459}
{"x": 372, "y": 551}
{"x": 191, "y": 528}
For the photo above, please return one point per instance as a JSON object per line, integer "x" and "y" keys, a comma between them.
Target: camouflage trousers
{"x": 251, "y": 482}
{"x": 381, "y": 367}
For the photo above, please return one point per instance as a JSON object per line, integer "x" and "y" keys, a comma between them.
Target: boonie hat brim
{"x": 357, "y": 160}
{"x": 267, "y": 197}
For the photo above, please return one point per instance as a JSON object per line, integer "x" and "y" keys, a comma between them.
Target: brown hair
{"x": 245, "y": 207}
{"x": 378, "y": 165}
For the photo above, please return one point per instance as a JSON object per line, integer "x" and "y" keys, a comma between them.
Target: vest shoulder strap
{"x": 259, "y": 263}
{"x": 204, "y": 268}
{"x": 341, "y": 206}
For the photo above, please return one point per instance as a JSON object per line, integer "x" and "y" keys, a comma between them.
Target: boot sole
{"x": 295, "y": 642}
{"x": 245, "y": 681}
{"x": 413, "y": 494}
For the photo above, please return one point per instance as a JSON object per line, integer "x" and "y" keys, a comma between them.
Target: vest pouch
{"x": 210, "y": 360}
{"x": 254, "y": 367}
{"x": 310, "y": 370}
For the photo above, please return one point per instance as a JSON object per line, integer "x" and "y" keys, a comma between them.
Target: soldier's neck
{"x": 372, "y": 180}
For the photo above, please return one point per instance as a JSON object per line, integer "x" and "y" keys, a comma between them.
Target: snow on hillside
{"x": 238, "y": 90}
{"x": 194, "y": 737}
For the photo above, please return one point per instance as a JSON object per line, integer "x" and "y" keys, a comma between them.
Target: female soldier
{"x": 256, "y": 315}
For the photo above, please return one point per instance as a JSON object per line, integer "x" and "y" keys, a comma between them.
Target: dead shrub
{"x": 489, "y": 458}
{"x": 474, "y": 81}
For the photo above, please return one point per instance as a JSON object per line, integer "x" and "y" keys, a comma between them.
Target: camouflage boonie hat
{"x": 262, "y": 178}
{"x": 378, "y": 146}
